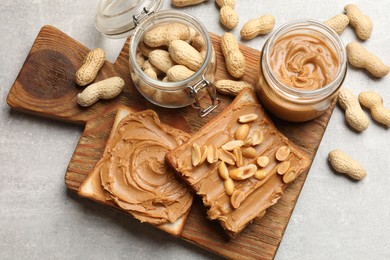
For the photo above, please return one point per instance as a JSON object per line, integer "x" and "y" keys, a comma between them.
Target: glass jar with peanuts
{"x": 302, "y": 67}
{"x": 171, "y": 57}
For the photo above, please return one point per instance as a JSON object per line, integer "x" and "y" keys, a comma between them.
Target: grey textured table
{"x": 335, "y": 218}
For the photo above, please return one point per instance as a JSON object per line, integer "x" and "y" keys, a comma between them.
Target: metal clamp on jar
{"x": 117, "y": 19}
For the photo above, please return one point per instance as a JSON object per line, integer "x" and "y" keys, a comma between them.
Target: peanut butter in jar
{"x": 302, "y": 66}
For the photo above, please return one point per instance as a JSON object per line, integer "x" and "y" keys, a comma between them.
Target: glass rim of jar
{"x": 170, "y": 14}
{"x": 329, "y": 33}
{"x": 119, "y": 21}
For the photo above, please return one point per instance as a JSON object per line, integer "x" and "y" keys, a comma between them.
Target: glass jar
{"x": 181, "y": 93}
{"x": 287, "y": 102}
{"x": 143, "y": 15}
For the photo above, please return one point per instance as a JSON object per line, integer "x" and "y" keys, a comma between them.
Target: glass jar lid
{"x": 118, "y": 18}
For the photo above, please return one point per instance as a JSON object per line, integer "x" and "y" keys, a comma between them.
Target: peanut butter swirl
{"x": 134, "y": 173}
{"x": 303, "y": 61}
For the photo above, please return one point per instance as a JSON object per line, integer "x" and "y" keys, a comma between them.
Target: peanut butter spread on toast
{"x": 133, "y": 173}
{"x": 252, "y": 195}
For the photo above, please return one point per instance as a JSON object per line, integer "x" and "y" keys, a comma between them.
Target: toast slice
{"x": 260, "y": 184}
{"x": 132, "y": 174}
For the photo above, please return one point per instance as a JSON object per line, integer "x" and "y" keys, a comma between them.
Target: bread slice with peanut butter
{"x": 253, "y": 167}
{"x": 132, "y": 174}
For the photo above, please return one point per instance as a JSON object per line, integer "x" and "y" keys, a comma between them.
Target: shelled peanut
{"x": 354, "y": 114}
{"x": 172, "y": 51}
{"x": 234, "y": 59}
{"x": 227, "y": 15}
{"x": 105, "y": 89}
{"x": 162, "y": 35}
{"x": 254, "y": 27}
{"x": 183, "y": 53}
{"x": 238, "y": 158}
{"x": 91, "y": 65}
{"x": 338, "y": 23}
{"x": 231, "y": 87}
{"x": 183, "y": 3}
{"x": 360, "y": 57}
{"x": 222, "y": 3}
{"x": 374, "y": 102}
{"x": 343, "y": 163}
{"x": 161, "y": 59}
{"x": 361, "y": 23}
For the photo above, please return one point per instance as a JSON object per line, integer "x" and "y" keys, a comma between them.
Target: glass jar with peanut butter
{"x": 302, "y": 66}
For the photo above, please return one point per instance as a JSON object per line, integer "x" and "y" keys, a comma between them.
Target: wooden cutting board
{"x": 45, "y": 86}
